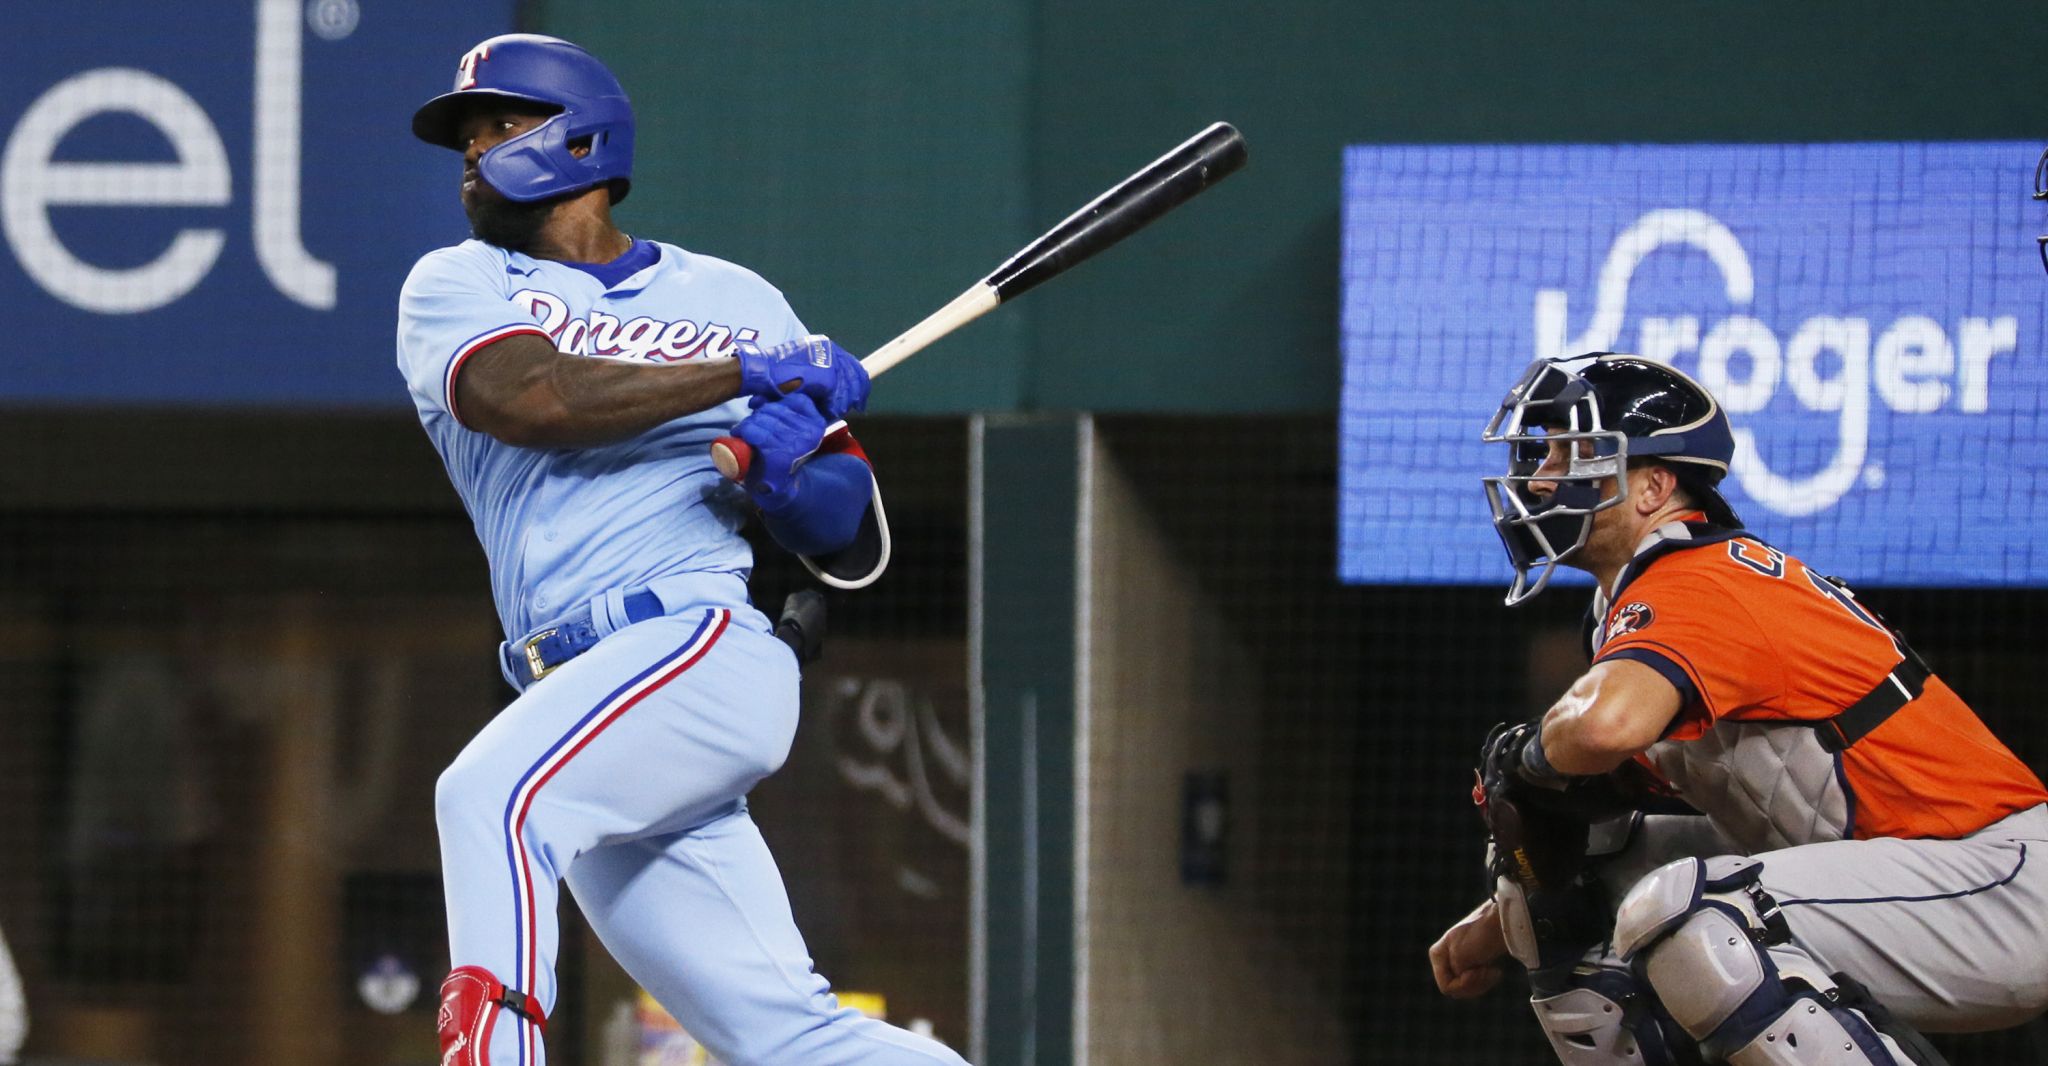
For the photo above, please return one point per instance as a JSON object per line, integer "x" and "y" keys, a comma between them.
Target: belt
{"x": 1900, "y": 687}
{"x": 538, "y": 655}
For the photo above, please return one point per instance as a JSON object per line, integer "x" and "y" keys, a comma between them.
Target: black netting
{"x": 1362, "y": 844}
{"x": 224, "y": 724}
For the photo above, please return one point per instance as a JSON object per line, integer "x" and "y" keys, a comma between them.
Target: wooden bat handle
{"x": 977, "y": 301}
{"x": 733, "y": 456}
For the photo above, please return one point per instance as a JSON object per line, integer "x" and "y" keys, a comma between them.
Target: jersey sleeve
{"x": 1692, "y": 630}
{"x": 452, "y": 305}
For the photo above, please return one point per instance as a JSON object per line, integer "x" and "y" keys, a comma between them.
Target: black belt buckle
{"x": 535, "y": 665}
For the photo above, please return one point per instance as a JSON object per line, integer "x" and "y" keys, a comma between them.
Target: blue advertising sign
{"x": 1871, "y": 316}
{"x": 216, "y": 203}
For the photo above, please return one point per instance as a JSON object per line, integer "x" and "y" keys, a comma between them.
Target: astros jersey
{"x": 560, "y": 526}
{"x": 1757, "y": 644}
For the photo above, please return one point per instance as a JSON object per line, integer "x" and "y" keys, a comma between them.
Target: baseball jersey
{"x": 560, "y": 526}
{"x": 1762, "y": 651}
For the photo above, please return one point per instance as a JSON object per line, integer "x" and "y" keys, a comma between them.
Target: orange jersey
{"x": 1754, "y": 640}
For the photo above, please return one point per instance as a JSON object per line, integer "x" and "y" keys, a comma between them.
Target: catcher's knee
{"x": 1697, "y": 932}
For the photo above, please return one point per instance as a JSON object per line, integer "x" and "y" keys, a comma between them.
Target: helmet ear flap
{"x": 531, "y": 166}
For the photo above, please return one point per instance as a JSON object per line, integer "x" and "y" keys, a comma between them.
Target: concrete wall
{"x": 1174, "y": 973}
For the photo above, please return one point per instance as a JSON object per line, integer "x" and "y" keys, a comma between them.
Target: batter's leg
{"x": 701, "y": 920}
{"x": 660, "y": 727}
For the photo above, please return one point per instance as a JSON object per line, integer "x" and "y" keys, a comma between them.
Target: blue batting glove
{"x": 819, "y": 369}
{"x": 783, "y": 433}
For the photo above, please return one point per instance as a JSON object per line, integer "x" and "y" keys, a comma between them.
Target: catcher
{"x": 1845, "y": 861}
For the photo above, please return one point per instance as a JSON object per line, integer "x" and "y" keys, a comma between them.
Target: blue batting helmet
{"x": 588, "y": 105}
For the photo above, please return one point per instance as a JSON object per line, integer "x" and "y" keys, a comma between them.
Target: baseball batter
{"x": 1871, "y": 857}
{"x": 572, "y": 377}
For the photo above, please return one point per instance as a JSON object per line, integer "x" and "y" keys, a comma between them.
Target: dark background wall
{"x": 874, "y": 157}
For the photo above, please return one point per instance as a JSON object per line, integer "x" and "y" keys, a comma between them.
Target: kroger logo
{"x": 1870, "y": 315}
{"x": 1832, "y": 363}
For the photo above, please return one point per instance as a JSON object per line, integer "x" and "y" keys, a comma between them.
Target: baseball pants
{"x": 624, "y": 772}
{"x": 1949, "y": 935}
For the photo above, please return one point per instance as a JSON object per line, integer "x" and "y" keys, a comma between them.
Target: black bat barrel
{"x": 1168, "y": 182}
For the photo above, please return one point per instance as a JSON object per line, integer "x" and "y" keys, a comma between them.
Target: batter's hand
{"x": 1467, "y": 959}
{"x": 810, "y": 365}
{"x": 783, "y": 432}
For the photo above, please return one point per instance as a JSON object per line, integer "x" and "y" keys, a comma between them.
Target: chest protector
{"x": 1764, "y": 785}
{"x": 1769, "y": 783}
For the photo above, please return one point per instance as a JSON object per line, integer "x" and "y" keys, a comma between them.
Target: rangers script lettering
{"x": 642, "y": 338}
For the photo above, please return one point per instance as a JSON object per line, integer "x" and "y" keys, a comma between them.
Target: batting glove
{"x": 812, "y": 366}
{"x": 784, "y": 433}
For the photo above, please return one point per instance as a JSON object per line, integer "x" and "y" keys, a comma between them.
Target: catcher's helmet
{"x": 588, "y": 104}
{"x": 1624, "y": 406}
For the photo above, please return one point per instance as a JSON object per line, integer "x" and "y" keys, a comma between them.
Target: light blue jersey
{"x": 624, "y": 771}
{"x": 652, "y": 696}
{"x": 561, "y": 526}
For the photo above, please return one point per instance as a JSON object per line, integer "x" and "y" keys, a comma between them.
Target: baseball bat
{"x": 1132, "y": 204}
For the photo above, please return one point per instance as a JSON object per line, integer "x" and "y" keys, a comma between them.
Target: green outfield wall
{"x": 874, "y": 158}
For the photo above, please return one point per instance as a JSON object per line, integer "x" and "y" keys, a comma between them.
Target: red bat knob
{"x": 732, "y": 456}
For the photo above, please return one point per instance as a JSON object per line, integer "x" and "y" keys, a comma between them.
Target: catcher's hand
{"x": 1504, "y": 765}
{"x": 1538, "y": 841}
{"x": 1504, "y": 756}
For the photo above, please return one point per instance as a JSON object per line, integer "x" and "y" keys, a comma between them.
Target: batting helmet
{"x": 1616, "y": 408}
{"x": 588, "y": 107}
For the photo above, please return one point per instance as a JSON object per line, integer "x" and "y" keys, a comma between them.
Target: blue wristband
{"x": 1536, "y": 768}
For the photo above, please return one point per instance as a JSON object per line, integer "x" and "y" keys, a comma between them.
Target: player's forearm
{"x": 545, "y": 399}
{"x": 597, "y": 401}
{"x": 1613, "y": 712}
{"x": 822, "y": 512}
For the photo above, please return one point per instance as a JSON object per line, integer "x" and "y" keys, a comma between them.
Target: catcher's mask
{"x": 1610, "y": 410}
